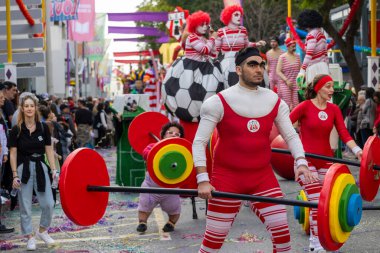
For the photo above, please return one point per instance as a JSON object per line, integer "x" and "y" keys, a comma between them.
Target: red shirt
{"x": 316, "y": 126}
{"x": 242, "y": 153}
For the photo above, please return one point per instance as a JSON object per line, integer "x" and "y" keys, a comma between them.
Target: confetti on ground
{"x": 4, "y": 245}
{"x": 192, "y": 236}
{"x": 248, "y": 237}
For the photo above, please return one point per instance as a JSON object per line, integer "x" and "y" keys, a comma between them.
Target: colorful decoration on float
{"x": 176, "y": 20}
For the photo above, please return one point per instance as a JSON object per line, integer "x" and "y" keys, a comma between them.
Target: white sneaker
{"x": 315, "y": 245}
{"x": 31, "y": 245}
{"x": 45, "y": 237}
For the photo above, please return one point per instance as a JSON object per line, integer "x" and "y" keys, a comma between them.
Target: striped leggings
{"x": 290, "y": 96}
{"x": 313, "y": 191}
{"x": 221, "y": 214}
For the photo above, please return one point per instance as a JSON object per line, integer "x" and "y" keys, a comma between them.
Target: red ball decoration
{"x": 283, "y": 164}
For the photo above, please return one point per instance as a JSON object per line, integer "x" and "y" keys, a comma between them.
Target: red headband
{"x": 289, "y": 42}
{"x": 322, "y": 82}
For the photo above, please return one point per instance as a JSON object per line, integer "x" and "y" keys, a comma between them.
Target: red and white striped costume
{"x": 229, "y": 42}
{"x": 316, "y": 48}
{"x": 198, "y": 48}
{"x": 232, "y": 40}
{"x": 316, "y": 60}
{"x": 151, "y": 88}
{"x": 272, "y": 61}
{"x": 241, "y": 156}
{"x": 290, "y": 71}
{"x": 315, "y": 128}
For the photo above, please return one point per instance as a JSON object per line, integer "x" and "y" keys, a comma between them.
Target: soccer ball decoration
{"x": 131, "y": 104}
{"x": 187, "y": 84}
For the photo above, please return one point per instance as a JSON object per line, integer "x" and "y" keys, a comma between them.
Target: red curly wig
{"x": 196, "y": 19}
{"x": 227, "y": 12}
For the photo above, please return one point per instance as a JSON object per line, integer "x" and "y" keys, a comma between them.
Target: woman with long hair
{"x": 317, "y": 117}
{"x": 29, "y": 140}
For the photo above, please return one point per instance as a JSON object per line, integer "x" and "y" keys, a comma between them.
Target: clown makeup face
{"x": 202, "y": 29}
{"x": 236, "y": 17}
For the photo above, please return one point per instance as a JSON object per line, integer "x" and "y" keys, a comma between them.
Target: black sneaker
{"x": 168, "y": 227}
{"x": 5, "y": 230}
{"x": 142, "y": 227}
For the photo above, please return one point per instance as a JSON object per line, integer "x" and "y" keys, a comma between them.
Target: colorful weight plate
{"x": 343, "y": 206}
{"x": 160, "y": 152}
{"x": 369, "y": 179}
{"x": 306, "y": 223}
{"x": 141, "y": 128}
{"x": 81, "y": 168}
{"x": 302, "y": 212}
{"x": 355, "y": 209}
{"x": 324, "y": 233}
{"x": 337, "y": 234}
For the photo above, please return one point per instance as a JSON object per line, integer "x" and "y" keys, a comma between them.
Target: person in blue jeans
{"x": 29, "y": 141}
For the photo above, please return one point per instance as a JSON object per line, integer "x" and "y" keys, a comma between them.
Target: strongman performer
{"x": 243, "y": 115}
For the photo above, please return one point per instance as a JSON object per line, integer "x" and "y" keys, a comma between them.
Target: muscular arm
{"x": 211, "y": 114}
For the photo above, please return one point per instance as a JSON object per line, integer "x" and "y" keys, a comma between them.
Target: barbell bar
{"x": 215, "y": 194}
{"x": 325, "y": 158}
{"x": 84, "y": 189}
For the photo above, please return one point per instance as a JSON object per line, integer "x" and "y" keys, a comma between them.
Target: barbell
{"x": 369, "y": 175}
{"x": 85, "y": 186}
{"x": 145, "y": 128}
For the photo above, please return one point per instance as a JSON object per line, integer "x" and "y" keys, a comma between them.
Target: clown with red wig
{"x": 230, "y": 40}
{"x": 194, "y": 75}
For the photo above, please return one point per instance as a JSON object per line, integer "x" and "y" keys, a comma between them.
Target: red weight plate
{"x": 323, "y": 207}
{"x": 153, "y": 152}
{"x": 83, "y": 167}
{"x": 190, "y": 129}
{"x": 369, "y": 179}
{"x": 140, "y": 128}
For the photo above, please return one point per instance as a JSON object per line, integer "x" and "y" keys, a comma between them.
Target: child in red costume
{"x": 244, "y": 115}
{"x": 317, "y": 117}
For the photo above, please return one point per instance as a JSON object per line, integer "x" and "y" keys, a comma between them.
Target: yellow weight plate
{"x": 178, "y": 148}
{"x": 306, "y": 223}
{"x": 337, "y": 234}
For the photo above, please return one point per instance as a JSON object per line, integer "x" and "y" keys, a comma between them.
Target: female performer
{"x": 317, "y": 117}
{"x": 230, "y": 40}
{"x": 194, "y": 76}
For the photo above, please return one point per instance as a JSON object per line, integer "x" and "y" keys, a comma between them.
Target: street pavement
{"x": 116, "y": 231}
